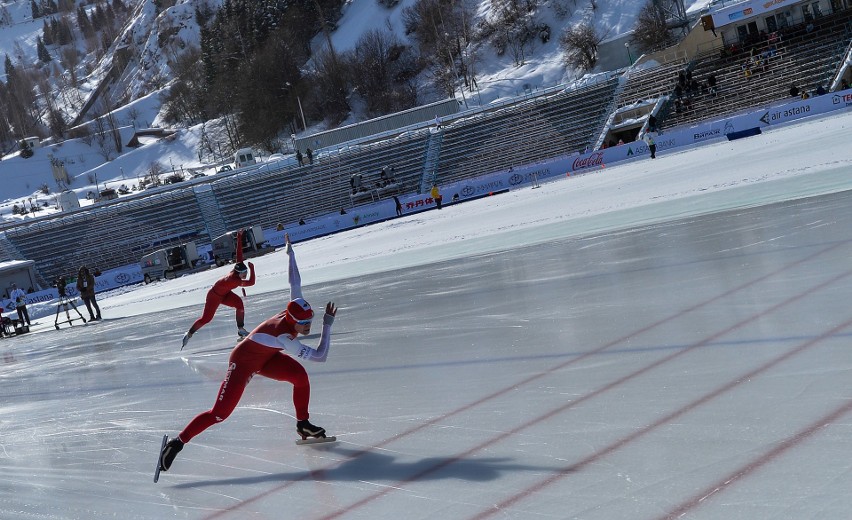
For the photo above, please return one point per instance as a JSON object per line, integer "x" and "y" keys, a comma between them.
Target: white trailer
{"x": 244, "y": 157}
{"x": 171, "y": 261}
{"x": 254, "y": 244}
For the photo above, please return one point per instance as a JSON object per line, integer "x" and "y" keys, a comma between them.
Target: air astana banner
{"x": 733, "y": 12}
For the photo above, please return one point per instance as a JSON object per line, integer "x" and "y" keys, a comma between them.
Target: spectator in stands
{"x": 398, "y": 206}
{"x": 652, "y": 123}
{"x": 86, "y": 288}
{"x": 302, "y": 221}
{"x": 694, "y": 87}
{"x": 820, "y": 90}
{"x": 844, "y": 84}
{"x": 436, "y": 195}
{"x": 711, "y": 83}
{"x": 746, "y": 66}
{"x": 437, "y": 123}
{"x": 279, "y": 227}
{"x": 805, "y": 94}
{"x": 355, "y": 183}
{"x": 299, "y": 158}
{"x": 794, "y": 91}
{"x": 342, "y": 211}
{"x": 310, "y": 155}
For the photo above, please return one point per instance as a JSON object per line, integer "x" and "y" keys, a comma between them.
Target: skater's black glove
{"x": 330, "y": 312}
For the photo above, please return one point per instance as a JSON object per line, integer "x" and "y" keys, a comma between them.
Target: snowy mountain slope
{"x": 154, "y": 39}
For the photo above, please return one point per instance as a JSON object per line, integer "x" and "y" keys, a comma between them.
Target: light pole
{"x": 629, "y": 56}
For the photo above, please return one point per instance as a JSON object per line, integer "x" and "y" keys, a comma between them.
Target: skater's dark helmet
{"x": 299, "y": 312}
{"x": 240, "y": 268}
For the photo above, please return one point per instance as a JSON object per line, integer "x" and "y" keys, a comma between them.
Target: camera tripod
{"x": 63, "y": 304}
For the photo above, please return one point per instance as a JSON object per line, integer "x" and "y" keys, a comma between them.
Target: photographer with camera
{"x": 86, "y": 287}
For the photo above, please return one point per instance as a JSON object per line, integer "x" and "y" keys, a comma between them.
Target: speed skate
{"x": 159, "y": 454}
{"x": 316, "y": 440}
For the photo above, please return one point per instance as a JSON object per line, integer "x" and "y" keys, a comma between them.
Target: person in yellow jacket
{"x": 436, "y": 195}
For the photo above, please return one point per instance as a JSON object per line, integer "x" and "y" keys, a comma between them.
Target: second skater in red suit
{"x": 263, "y": 353}
{"x": 220, "y": 294}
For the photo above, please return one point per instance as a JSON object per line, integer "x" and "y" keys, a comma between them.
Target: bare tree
{"x": 380, "y": 66}
{"x": 330, "y": 78}
{"x": 580, "y": 45}
{"x": 651, "y": 30}
{"x": 100, "y": 135}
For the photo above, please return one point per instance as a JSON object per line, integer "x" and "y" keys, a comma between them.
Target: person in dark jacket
{"x": 86, "y": 288}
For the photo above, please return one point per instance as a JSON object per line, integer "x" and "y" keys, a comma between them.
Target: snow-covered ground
{"x": 660, "y": 339}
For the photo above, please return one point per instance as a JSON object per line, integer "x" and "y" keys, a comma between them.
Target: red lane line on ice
{"x": 564, "y": 471}
{"x": 677, "y": 413}
{"x": 601, "y": 453}
{"x": 758, "y": 462}
{"x": 551, "y": 370}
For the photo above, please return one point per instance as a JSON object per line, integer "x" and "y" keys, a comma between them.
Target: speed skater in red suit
{"x": 220, "y": 294}
{"x": 262, "y": 352}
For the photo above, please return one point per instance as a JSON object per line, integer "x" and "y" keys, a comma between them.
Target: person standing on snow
{"x": 652, "y": 144}
{"x": 86, "y": 288}
{"x": 220, "y": 294}
{"x": 261, "y": 353}
{"x": 20, "y": 298}
{"x": 436, "y": 195}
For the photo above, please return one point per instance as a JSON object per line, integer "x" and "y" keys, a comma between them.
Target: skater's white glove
{"x": 330, "y": 312}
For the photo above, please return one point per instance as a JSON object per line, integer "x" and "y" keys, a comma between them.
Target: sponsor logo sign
{"x": 580, "y": 163}
{"x": 707, "y": 134}
{"x": 841, "y": 99}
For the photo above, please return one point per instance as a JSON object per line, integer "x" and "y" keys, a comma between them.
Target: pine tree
{"x": 35, "y": 9}
{"x": 84, "y": 23}
{"x": 47, "y": 34}
{"x": 41, "y": 50}
{"x": 11, "y": 71}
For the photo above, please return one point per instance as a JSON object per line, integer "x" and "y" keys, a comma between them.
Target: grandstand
{"x": 797, "y": 56}
{"x": 527, "y": 129}
{"x": 545, "y": 126}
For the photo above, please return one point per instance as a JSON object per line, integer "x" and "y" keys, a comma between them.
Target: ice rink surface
{"x": 697, "y": 367}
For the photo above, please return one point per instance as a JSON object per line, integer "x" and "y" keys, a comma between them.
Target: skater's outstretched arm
{"x": 293, "y": 272}
{"x": 238, "y": 247}
{"x": 306, "y": 352}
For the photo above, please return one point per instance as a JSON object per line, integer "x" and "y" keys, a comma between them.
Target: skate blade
{"x": 314, "y": 440}
{"x": 160, "y": 454}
